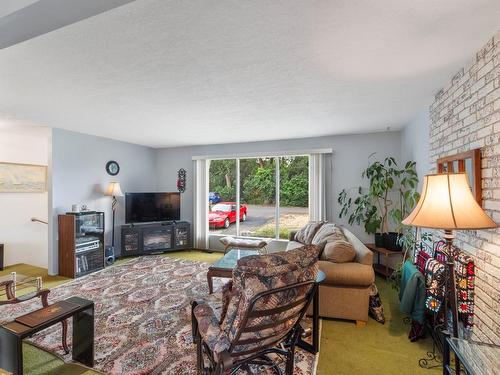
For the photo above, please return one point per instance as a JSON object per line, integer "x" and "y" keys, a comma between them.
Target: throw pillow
{"x": 324, "y": 234}
{"x": 339, "y": 251}
{"x": 307, "y": 232}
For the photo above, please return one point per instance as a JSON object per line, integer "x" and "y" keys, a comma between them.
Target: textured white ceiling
{"x": 181, "y": 72}
{"x": 11, "y": 6}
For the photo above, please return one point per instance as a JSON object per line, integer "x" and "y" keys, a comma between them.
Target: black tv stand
{"x": 156, "y": 237}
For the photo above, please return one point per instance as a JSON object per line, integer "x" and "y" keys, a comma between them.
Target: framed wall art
{"x": 22, "y": 178}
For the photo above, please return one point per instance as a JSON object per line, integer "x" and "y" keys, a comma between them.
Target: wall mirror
{"x": 468, "y": 162}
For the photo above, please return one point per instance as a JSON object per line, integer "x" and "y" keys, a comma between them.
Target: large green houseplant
{"x": 390, "y": 196}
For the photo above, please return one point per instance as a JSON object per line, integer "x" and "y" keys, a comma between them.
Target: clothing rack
{"x": 435, "y": 323}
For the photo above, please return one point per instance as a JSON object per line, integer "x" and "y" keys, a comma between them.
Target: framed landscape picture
{"x": 22, "y": 178}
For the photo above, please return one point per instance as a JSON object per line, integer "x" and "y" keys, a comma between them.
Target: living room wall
{"x": 350, "y": 157}
{"x": 79, "y": 176}
{"x": 25, "y": 241}
{"x": 465, "y": 115}
{"x": 415, "y": 142}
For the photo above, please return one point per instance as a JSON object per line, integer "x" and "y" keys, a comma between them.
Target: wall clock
{"x": 112, "y": 168}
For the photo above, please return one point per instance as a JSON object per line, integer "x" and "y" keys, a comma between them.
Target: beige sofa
{"x": 345, "y": 293}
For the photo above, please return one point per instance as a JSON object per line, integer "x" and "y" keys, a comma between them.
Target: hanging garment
{"x": 412, "y": 292}
{"x": 465, "y": 275}
{"x": 421, "y": 259}
{"x": 434, "y": 283}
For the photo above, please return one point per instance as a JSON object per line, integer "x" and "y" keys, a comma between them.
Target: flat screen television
{"x": 148, "y": 207}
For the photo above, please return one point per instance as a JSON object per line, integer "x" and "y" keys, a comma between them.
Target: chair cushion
{"x": 208, "y": 326}
{"x": 307, "y": 232}
{"x": 278, "y": 263}
{"x": 259, "y": 273}
{"x": 347, "y": 274}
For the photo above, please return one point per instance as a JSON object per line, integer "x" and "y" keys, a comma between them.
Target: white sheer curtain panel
{"x": 201, "y": 168}
{"x": 317, "y": 187}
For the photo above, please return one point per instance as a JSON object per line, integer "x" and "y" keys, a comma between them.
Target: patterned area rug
{"x": 142, "y": 316}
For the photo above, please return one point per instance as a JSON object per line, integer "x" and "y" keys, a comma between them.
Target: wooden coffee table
{"x": 13, "y": 333}
{"x": 224, "y": 266}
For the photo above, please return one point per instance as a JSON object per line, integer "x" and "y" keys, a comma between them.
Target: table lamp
{"x": 114, "y": 191}
{"x": 447, "y": 203}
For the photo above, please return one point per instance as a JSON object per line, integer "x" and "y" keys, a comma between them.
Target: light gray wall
{"x": 415, "y": 142}
{"x": 79, "y": 176}
{"x": 350, "y": 157}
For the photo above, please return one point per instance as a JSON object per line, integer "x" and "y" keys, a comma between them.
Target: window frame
{"x": 277, "y": 192}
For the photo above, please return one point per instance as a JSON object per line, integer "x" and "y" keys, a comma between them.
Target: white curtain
{"x": 317, "y": 187}
{"x": 201, "y": 168}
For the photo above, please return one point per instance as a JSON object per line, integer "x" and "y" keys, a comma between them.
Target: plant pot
{"x": 379, "y": 240}
{"x": 391, "y": 241}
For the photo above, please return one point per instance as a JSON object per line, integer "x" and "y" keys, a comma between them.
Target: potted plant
{"x": 371, "y": 207}
{"x": 374, "y": 207}
{"x": 364, "y": 211}
{"x": 408, "y": 197}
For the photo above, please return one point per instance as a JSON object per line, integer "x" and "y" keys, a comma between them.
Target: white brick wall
{"x": 466, "y": 115}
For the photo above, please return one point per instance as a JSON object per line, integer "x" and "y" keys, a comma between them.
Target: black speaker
{"x": 109, "y": 255}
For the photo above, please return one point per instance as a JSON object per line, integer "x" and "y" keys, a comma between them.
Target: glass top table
{"x": 476, "y": 357}
{"x": 224, "y": 266}
{"x": 229, "y": 260}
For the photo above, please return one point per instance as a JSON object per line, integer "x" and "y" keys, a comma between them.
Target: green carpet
{"x": 345, "y": 349}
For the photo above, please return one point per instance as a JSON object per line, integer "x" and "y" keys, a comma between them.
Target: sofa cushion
{"x": 324, "y": 234}
{"x": 347, "y": 274}
{"x": 307, "y": 232}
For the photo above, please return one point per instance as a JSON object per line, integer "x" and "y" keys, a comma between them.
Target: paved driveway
{"x": 258, "y": 216}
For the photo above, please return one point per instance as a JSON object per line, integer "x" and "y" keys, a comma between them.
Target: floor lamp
{"x": 114, "y": 191}
{"x": 447, "y": 203}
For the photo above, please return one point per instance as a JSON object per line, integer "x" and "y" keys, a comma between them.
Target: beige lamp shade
{"x": 447, "y": 202}
{"x": 114, "y": 190}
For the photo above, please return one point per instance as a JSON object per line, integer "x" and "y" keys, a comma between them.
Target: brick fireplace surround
{"x": 466, "y": 115}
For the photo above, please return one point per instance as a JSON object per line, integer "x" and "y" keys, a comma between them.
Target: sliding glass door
{"x": 293, "y": 194}
{"x": 264, "y": 197}
{"x": 258, "y": 195}
{"x": 222, "y": 201}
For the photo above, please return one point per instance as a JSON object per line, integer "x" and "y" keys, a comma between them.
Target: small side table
{"x": 383, "y": 269}
{"x": 13, "y": 333}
